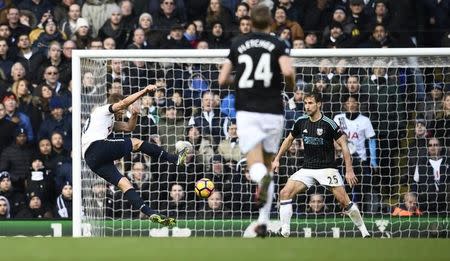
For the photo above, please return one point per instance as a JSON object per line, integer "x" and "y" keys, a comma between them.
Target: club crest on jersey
{"x": 319, "y": 132}
{"x": 305, "y": 131}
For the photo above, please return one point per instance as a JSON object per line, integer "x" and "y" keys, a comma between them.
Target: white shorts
{"x": 255, "y": 127}
{"x": 326, "y": 177}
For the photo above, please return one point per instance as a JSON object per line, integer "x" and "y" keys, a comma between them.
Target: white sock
{"x": 355, "y": 216}
{"x": 285, "y": 216}
{"x": 257, "y": 171}
{"x": 264, "y": 212}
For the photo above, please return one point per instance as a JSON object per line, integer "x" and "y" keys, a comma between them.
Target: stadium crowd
{"x": 408, "y": 108}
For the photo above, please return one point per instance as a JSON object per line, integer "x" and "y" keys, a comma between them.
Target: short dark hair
{"x": 314, "y": 94}
{"x": 114, "y": 98}
{"x": 261, "y": 17}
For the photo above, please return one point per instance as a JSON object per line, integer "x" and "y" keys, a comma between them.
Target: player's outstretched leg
{"x": 136, "y": 202}
{"x": 157, "y": 152}
{"x": 350, "y": 209}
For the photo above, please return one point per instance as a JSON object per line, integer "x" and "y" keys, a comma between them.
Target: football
{"x": 204, "y": 188}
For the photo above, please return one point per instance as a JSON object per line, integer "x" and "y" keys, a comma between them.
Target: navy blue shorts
{"x": 101, "y": 154}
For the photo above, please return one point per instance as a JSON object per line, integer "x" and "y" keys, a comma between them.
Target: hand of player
{"x": 351, "y": 178}
{"x": 151, "y": 88}
{"x": 275, "y": 165}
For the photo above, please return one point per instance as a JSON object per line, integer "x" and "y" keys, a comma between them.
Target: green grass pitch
{"x": 230, "y": 249}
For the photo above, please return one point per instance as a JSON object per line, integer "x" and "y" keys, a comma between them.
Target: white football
{"x": 180, "y": 145}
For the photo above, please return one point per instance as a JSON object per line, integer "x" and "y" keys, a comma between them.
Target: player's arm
{"x": 225, "y": 77}
{"x": 288, "y": 71}
{"x": 284, "y": 147}
{"x": 349, "y": 174}
{"x": 130, "y": 125}
{"x": 123, "y": 104}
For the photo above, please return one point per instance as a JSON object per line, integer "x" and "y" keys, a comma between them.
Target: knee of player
{"x": 285, "y": 193}
{"x": 136, "y": 143}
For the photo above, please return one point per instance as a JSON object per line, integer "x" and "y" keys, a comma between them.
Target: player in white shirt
{"x": 359, "y": 129}
{"x": 100, "y": 152}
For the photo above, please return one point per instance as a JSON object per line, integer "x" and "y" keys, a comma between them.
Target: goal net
{"x": 403, "y": 170}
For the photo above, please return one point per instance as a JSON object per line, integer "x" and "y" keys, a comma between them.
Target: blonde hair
{"x": 15, "y": 89}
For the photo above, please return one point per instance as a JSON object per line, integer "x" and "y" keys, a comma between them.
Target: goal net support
{"x": 403, "y": 171}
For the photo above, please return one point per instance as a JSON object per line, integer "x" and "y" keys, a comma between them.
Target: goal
{"x": 389, "y": 85}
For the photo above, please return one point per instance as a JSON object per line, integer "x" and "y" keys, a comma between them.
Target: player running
{"x": 260, "y": 61}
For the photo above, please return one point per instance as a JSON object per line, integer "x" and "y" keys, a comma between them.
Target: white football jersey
{"x": 98, "y": 127}
{"x": 357, "y": 131}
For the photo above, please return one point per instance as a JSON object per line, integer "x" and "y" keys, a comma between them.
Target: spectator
{"x": 215, "y": 208}
{"x": 152, "y": 37}
{"x": 23, "y": 121}
{"x": 209, "y": 119}
{"x": 81, "y": 34}
{"x": 138, "y": 40}
{"x": 381, "y": 13}
{"x": 50, "y": 34}
{"x": 6, "y": 60}
{"x": 388, "y": 113}
{"x": 15, "y": 198}
{"x": 41, "y": 181}
{"x": 311, "y": 40}
{"x": 316, "y": 205}
{"x": 170, "y": 127}
{"x": 95, "y": 44}
{"x": 27, "y": 19}
{"x": 63, "y": 208}
{"x": 101, "y": 201}
{"x": 58, "y": 122}
{"x": 337, "y": 39}
{"x": 41, "y": 104}
{"x": 34, "y": 34}
{"x": 14, "y": 24}
{"x": 116, "y": 29}
{"x": 242, "y": 10}
{"x": 128, "y": 14}
{"x": 379, "y": 38}
{"x": 433, "y": 101}
{"x": 229, "y": 147}
{"x": 217, "y": 38}
{"x": 4, "y": 208}
{"x": 38, "y": 7}
{"x": 97, "y": 12}
{"x": 168, "y": 16}
{"x": 218, "y": 13}
{"x": 245, "y": 25}
{"x": 191, "y": 35}
{"x": 340, "y": 16}
{"x": 44, "y": 153}
{"x": 409, "y": 208}
{"x": 282, "y": 21}
{"x": 24, "y": 48}
{"x": 109, "y": 43}
{"x": 21, "y": 89}
{"x": 352, "y": 86}
{"x": 8, "y": 128}
{"x": 59, "y": 153}
{"x": 175, "y": 39}
{"x": 358, "y": 22}
{"x": 203, "y": 150}
{"x": 431, "y": 177}
{"x": 418, "y": 146}
{"x": 177, "y": 205}
{"x": 298, "y": 44}
{"x": 62, "y": 9}
{"x": 16, "y": 160}
{"x": 36, "y": 209}
{"x": 441, "y": 123}
{"x": 68, "y": 24}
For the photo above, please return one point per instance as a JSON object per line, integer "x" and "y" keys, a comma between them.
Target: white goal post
{"x": 355, "y": 58}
